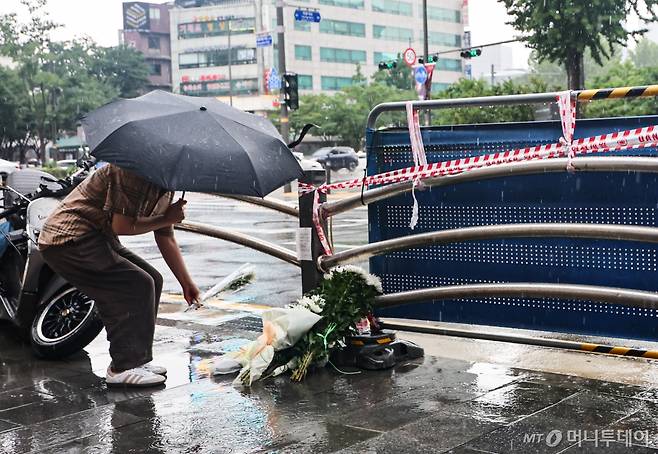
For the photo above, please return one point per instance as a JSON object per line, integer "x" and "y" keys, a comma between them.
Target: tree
{"x": 63, "y": 80}
{"x": 14, "y": 113}
{"x": 645, "y": 54}
{"x": 398, "y": 77}
{"x": 123, "y": 67}
{"x": 561, "y": 30}
{"x": 465, "y": 88}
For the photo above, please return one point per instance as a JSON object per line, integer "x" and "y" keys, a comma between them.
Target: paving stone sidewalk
{"x": 430, "y": 405}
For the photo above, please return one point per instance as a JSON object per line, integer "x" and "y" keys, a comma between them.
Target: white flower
{"x": 314, "y": 303}
{"x": 370, "y": 279}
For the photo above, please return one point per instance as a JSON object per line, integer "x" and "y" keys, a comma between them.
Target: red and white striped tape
{"x": 618, "y": 141}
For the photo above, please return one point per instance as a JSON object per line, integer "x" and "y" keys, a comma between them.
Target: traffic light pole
{"x": 281, "y": 42}
{"x": 285, "y": 127}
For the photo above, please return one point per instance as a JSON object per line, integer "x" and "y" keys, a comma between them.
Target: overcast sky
{"x": 101, "y": 20}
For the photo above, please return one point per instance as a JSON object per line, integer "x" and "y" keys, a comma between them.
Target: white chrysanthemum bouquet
{"x": 303, "y": 333}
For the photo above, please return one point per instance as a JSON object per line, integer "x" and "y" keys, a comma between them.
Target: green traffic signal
{"x": 387, "y": 64}
{"x": 471, "y": 53}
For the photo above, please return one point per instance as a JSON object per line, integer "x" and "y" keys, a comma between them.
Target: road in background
{"x": 209, "y": 260}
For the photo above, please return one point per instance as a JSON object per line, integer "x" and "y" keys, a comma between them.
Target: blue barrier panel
{"x": 606, "y": 198}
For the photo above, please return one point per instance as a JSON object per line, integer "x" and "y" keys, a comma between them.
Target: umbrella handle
{"x": 183, "y": 196}
{"x": 305, "y": 129}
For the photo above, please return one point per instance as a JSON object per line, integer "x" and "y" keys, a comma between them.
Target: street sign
{"x": 409, "y": 56}
{"x": 264, "y": 40}
{"x": 273, "y": 80}
{"x": 420, "y": 74}
{"x": 307, "y": 15}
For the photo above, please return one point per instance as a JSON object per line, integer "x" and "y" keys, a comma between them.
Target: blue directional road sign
{"x": 305, "y": 15}
{"x": 420, "y": 74}
{"x": 274, "y": 80}
{"x": 263, "y": 40}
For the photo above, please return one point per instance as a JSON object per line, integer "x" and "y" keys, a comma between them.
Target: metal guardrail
{"x": 610, "y": 295}
{"x": 581, "y": 164}
{"x": 489, "y": 232}
{"x": 269, "y": 203}
{"x": 241, "y": 239}
{"x": 532, "y": 98}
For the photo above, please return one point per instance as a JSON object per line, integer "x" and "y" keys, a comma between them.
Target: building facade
{"x": 324, "y": 55}
{"x": 146, "y": 28}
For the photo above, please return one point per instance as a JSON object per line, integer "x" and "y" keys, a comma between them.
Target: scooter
{"x": 58, "y": 319}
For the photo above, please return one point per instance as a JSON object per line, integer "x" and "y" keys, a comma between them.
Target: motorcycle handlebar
{"x": 9, "y": 212}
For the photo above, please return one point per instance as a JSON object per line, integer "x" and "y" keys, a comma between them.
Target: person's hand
{"x": 176, "y": 212}
{"x": 191, "y": 293}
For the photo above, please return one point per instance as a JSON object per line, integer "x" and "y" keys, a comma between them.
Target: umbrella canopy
{"x": 185, "y": 143}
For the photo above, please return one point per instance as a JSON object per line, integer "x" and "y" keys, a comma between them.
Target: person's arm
{"x": 125, "y": 225}
{"x": 172, "y": 256}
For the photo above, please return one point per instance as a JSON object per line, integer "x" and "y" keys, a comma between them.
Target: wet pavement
{"x": 445, "y": 402}
{"x": 434, "y": 404}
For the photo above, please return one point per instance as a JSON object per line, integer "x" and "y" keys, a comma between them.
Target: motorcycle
{"x": 58, "y": 319}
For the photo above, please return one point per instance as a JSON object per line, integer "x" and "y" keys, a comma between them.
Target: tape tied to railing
{"x": 418, "y": 154}
{"x": 567, "y": 107}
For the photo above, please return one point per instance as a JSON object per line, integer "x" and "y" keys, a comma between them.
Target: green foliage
{"x": 59, "y": 81}
{"x": 562, "y": 30}
{"x": 470, "y": 88}
{"x": 349, "y": 295}
{"x": 645, "y": 54}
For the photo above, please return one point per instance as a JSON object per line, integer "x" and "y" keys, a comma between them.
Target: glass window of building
{"x": 392, "y": 7}
{"x": 439, "y": 86}
{"x": 154, "y": 42}
{"x": 219, "y": 27}
{"x": 355, "y": 4}
{"x": 217, "y": 57}
{"x": 304, "y": 82}
{"x": 443, "y": 14}
{"x": 445, "y": 39}
{"x": 392, "y": 33}
{"x": 335, "y": 83}
{"x": 301, "y": 26}
{"x": 449, "y": 64}
{"x": 154, "y": 13}
{"x": 331, "y": 54}
{"x": 217, "y": 87}
{"x": 303, "y": 52}
{"x": 384, "y": 56}
{"x": 155, "y": 69}
{"x": 339, "y": 27}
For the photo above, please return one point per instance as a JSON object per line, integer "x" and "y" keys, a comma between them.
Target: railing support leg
{"x": 308, "y": 243}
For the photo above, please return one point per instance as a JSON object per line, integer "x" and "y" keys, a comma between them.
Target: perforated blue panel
{"x": 606, "y": 198}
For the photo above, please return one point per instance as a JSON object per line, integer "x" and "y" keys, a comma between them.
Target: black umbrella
{"x": 188, "y": 143}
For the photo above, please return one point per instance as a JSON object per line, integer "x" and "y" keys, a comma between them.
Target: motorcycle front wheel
{"x": 65, "y": 324}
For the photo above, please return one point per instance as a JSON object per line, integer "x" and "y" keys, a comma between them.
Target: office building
{"x": 324, "y": 55}
{"x": 146, "y": 28}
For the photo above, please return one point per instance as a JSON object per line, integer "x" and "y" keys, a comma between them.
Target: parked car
{"x": 6, "y": 168}
{"x": 306, "y": 164}
{"x": 337, "y": 158}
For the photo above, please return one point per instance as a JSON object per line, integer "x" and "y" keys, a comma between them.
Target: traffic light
{"x": 470, "y": 53}
{"x": 390, "y": 64}
{"x": 290, "y": 91}
{"x": 433, "y": 58}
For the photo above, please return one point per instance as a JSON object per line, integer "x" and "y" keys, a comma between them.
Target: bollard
{"x": 308, "y": 243}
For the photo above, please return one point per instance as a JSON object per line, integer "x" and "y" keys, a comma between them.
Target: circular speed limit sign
{"x": 409, "y": 56}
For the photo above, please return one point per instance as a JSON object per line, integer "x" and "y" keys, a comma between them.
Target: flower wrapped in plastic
{"x": 282, "y": 328}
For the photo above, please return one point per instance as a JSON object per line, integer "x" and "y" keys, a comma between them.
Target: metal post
{"x": 285, "y": 127}
{"x": 260, "y": 53}
{"x": 308, "y": 243}
{"x": 230, "y": 73}
{"x": 426, "y": 52}
{"x": 281, "y": 42}
{"x": 493, "y": 76}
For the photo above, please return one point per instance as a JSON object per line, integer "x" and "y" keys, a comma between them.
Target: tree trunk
{"x": 575, "y": 71}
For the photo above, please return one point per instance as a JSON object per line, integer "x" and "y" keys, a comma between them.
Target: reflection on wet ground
{"x": 428, "y": 405}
